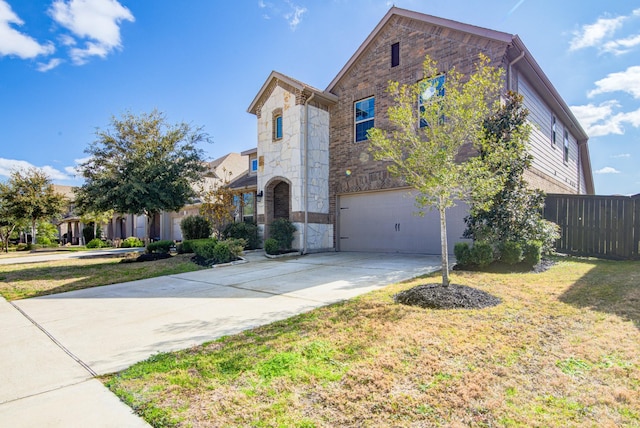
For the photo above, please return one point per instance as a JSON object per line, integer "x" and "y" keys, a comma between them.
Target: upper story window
{"x": 428, "y": 89}
{"x": 364, "y": 114}
{"x": 277, "y": 124}
{"x": 566, "y": 146}
{"x": 395, "y": 54}
{"x": 553, "y": 130}
{"x": 254, "y": 165}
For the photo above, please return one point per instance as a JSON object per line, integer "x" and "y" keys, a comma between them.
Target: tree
{"x": 425, "y": 145}
{"x": 142, "y": 165}
{"x": 97, "y": 218}
{"x": 8, "y": 222}
{"x": 515, "y": 214}
{"x": 217, "y": 203}
{"x": 29, "y": 196}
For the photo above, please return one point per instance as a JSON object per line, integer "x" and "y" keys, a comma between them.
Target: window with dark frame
{"x": 276, "y": 132}
{"x": 553, "y": 130}
{"x": 429, "y": 88}
{"x": 364, "y": 117}
{"x": 566, "y": 146}
{"x": 254, "y": 165}
{"x": 395, "y": 54}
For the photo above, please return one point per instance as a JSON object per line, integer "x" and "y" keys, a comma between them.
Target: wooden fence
{"x": 598, "y": 226}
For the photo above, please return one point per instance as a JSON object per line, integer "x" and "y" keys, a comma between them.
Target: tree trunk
{"x": 33, "y": 232}
{"x": 95, "y": 229}
{"x": 443, "y": 242}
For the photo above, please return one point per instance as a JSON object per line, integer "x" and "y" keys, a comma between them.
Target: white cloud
{"x": 600, "y": 33}
{"x": 621, "y": 46}
{"x": 96, "y": 21}
{"x": 50, "y": 65}
{"x": 7, "y": 166}
{"x": 592, "y": 34}
{"x": 621, "y": 155}
{"x": 13, "y": 42}
{"x": 607, "y": 170}
{"x": 624, "y": 81}
{"x": 295, "y": 16}
{"x": 600, "y": 120}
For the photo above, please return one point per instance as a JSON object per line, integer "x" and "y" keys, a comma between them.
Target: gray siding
{"x": 549, "y": 157}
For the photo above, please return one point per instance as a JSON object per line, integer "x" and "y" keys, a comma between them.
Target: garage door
{"x": 386, "y": 221}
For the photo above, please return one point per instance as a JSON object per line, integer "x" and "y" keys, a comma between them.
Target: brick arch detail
{"x": 277, "y": 200}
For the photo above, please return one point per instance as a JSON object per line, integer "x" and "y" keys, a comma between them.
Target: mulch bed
{"x": 144, "y": 257}
{"x": 435, "y": 296}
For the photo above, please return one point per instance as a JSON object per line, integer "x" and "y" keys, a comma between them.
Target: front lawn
{"x": 23, "y": 280}
{"x": 562, "y": 349}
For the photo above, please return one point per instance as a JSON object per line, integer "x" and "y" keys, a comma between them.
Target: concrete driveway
{"x": 61, "y": 341}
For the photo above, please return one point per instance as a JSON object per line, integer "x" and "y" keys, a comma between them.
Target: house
{"x": 312, "y": 158}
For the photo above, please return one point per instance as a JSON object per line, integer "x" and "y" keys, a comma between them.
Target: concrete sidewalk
{"x": 44, "y": 256}
{"x": 106, "y": 329}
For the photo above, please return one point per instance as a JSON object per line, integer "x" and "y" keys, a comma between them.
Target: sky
{"x": 67, "y": 67}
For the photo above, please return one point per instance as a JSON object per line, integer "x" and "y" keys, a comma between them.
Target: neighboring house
{"x": 245, "y": 188}
{"x": 69, "y": 225}
{"x": 312, "y": 157}
{"x": 165, "y": 225}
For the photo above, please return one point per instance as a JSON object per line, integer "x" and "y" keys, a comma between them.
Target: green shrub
{"x": 132, "y": 242}
{"x": 95, "y": 243}
{"x": 44, "y": 241}
{"x": 161, "y": 247}
{"x": 195, "y": 227}
{"x": 282, "y": 230}
{"x": 87, "y": 232}
{"x": 23, "y": 247}
{"x": 532, "y": 253}
{"x": 271, "y": 246}
{"x": 204, "y": 247}
{"x": 246, "y": 231}
{"x": 222, "y": 253}
{"x": 236, "y": 246}
{"x": 511, "y": 253}
{"x": 463, "y": 253}
{"x": 482, "y": 254}
{"x": 187, "y": 247}
{"x": 548, "y": 233}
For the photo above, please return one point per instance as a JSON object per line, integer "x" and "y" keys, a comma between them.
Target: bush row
{"x": 212, "y": 250}
{"x": 482, "y": 254}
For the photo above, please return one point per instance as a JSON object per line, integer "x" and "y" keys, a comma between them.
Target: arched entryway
{"x": 277, "y": 201}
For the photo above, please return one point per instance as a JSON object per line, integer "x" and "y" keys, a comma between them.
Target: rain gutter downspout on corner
{"x": 305, "y": 159}
{"x": 518, "y": 58}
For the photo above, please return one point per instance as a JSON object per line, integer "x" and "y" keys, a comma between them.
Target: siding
{"x": 549, "y": 157}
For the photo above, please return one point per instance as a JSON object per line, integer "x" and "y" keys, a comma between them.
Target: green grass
{"x": 552, "y": 354}
{"x": 24, "y": 280}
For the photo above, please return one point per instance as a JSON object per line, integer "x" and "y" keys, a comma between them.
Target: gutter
{"x": 305, "y": 160}
{"x": 518, "y": 58}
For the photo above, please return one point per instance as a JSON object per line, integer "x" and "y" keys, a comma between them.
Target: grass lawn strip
{"x": 21, "y": 281}
{"x": 563, "y": 349}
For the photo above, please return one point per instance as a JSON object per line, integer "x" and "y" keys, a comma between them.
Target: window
{"x": 395, "y": 54}
{"x": 276, "y": 124}
{"x": 278, "y": 127}
{"x": 429, "y": 88}
{"x": 364, "y": 117}
{"x": 254, "y": 165}
{"x": 553, "y": 130}
{"x": 566, "y": 146}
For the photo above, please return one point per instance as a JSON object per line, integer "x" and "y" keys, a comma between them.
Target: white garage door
{"x": 386, "y": 221}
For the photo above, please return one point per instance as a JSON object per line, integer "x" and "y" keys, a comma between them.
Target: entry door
{"x": 386, "y": 221}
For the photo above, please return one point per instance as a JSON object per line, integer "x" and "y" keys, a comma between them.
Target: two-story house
{"x": 313, "y": 161}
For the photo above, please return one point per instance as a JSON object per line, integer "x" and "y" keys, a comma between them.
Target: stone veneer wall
{"x": 283, "y": 160}
{"x": 352, "y": 168}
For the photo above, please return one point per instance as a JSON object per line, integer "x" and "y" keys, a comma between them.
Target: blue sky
{"x": 68, "y": 66}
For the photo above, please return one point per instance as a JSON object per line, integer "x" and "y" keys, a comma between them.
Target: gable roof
{"x": 278, "y": 78}
{"x": 517, "y": 55}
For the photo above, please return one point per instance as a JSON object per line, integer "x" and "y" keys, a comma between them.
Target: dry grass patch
{"x": 554, "y": 353}
{"x": 24, "y": 280}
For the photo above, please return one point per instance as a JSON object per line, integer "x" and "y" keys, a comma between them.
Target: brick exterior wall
{"x": 351, "y": 166}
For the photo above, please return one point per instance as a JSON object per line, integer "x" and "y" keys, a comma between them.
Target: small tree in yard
{"x": 97, "y": 218}
{"x": 424, "y": 146}
{"x": 217, "y": 204}
{"x": 142, "y": 166}
{"x": 29, "y": 196}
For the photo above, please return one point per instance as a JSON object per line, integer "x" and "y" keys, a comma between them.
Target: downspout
{"x": 518, "y": 58}
{"x": 305, "y": 159}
